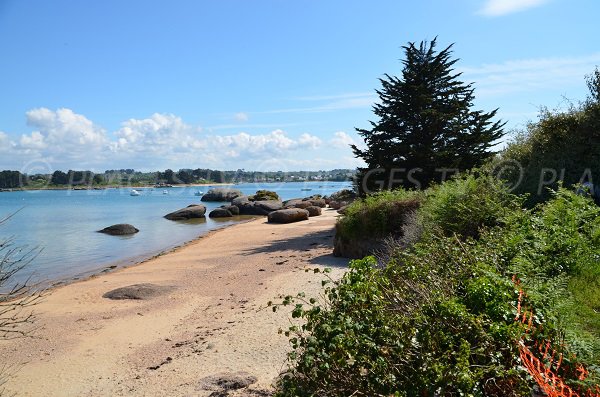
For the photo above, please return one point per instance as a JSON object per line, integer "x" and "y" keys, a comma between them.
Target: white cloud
{"x": 529, "y": 74}
{"x": 63, "y": 127}
{"x": 34, "y": 141}
{"x": 342, "y": 140}
{"x": 61, "y": 136}
{"x": 63, "y": 139}
{"x": 496, "y": 8}
{"x": 5, "y": 143}
{"x": 310, "y": 141}
{"x": 253, "y": 146}
{"x": 330, "y": 103}
{"x": 159, "y": 133}
{"x": 241, "y": 117}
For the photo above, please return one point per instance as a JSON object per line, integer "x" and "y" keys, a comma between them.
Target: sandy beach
{"x": 210, "y": 322}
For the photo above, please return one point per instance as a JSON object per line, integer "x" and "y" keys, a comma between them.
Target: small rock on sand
{"x": 227, "y": 381}
{"x": 138, "y": 292}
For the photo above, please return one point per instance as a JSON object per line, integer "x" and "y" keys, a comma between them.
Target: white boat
{"x": 165, "y": 192}
{"x": 198, "y": 193}
{"x": 134, "y": 193}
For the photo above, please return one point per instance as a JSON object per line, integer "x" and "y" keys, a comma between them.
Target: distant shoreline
{"x": 81, "y": 188}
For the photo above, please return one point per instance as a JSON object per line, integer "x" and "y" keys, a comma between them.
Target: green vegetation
{"x": 562, "y": 146}
{"x": 378, "y": 215}
{"x": 438, "y": 317}
{"x": 426, "y": 128}
{"x": 130, "y": 177}
{"x": 486, "y": 273}
{"x": 264, "y": 195}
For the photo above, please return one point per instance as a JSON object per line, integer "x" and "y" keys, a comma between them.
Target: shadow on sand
{"x": 304, "y": 243}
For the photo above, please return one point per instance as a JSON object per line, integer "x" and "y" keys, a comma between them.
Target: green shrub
{"x": 392, "y": 332}
{"x": 439, "y": 317}
{"x": 264, "y": 195}
{"x": 465, "y": 204}
{"x": 560, "y": 146}
{"x": 378, "y": 215}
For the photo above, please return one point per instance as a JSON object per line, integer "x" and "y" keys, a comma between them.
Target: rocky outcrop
{"x": 138, "y": 292}
{"x": 240, "y": 200}
{"x": 121, "y": 229}
{"x": 315, "y": 201}
{"x": 313, "y": 210}
{"x": 221, "y": 194}
{"x": 303, "y": 204}
{"x": 341, "y": 199}
{"x": 288, "y": 215}
{"x": 233, "y": 209}
{"x": 190, "y": 212}
{"x": 336, "y": 205}
{"x": 259, "y": 207}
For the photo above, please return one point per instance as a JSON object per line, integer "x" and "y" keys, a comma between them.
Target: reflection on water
{"x": 65, "y": 223}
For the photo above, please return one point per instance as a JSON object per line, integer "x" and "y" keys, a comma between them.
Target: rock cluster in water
{"x": 263, "y": 203}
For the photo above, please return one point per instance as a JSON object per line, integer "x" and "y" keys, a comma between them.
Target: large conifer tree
{"x": 426, "y": 128}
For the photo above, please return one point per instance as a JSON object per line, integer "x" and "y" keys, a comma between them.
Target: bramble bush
{"x": 439, "y": 317}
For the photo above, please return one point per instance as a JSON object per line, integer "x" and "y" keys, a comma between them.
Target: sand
{"x": 214, "y": 320}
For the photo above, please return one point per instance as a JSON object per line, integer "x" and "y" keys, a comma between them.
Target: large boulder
{"x": 138, "y": 292}
{"x": 318, "y": 202}
{"x": 220, "y": 212}
{"x": 288, "y": 215}
{"x": 259, "y": 207}
{"x": 341, "y": 199}
{"x": 303, "y": 204}
{"x": 240, "y": 200}
{"x": 313, "y": 210}
{"x": 291, "y": 203}
{"x": 190, "y": 212}
{"x": 121, "y": 229}
{"x": 336, "y": 205}
{"x": 233, "y": 209}
{"x": 221, "y": 194}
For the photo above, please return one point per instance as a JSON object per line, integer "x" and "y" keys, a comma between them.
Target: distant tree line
{"x": 10, "y": 179}
{"x": 127, "y": 177}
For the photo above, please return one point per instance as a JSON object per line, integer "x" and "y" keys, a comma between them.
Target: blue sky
{"x": 262, "y": 85}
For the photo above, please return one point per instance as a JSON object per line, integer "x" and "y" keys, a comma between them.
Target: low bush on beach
{"x": 378, "y": 215}
{"x": 438, "y": 317}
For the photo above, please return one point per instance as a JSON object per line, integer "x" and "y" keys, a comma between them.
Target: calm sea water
{"x": 63, "y": 224}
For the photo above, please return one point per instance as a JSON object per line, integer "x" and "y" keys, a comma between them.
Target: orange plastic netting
{"x": 542, "y": 361}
